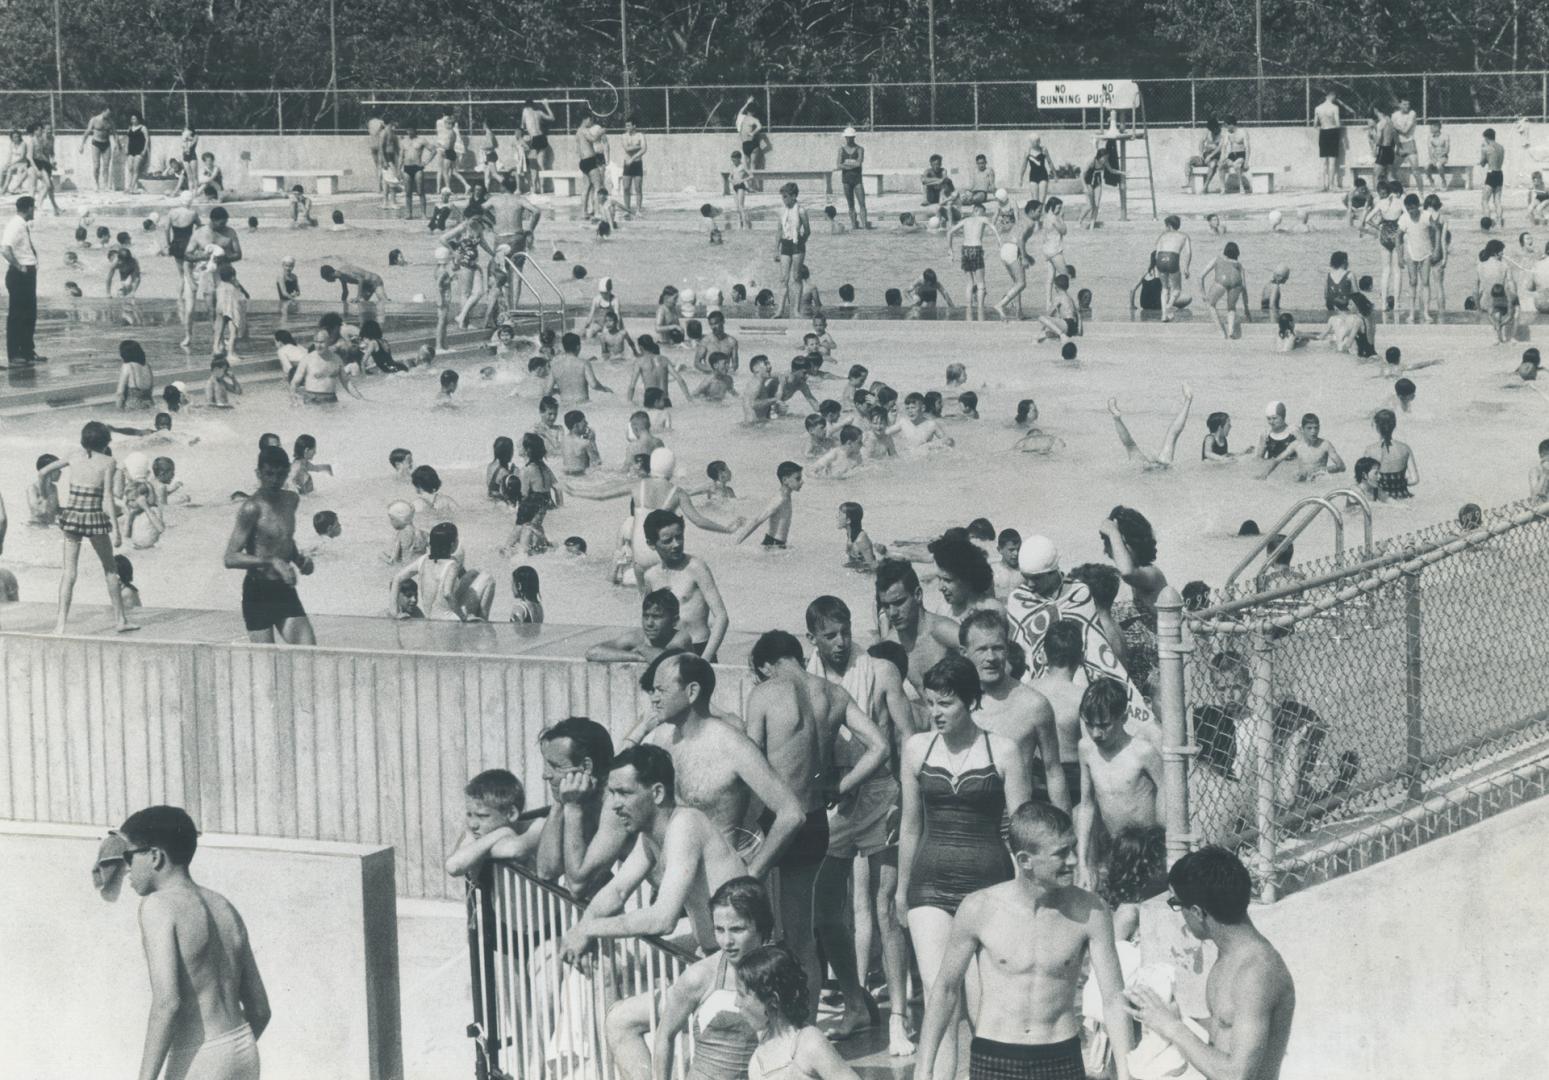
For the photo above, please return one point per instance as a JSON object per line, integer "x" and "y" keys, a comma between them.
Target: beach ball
{"x": 935, "y": 222}
{"x": 137, "y": 466}
{"x": 1274, "y": 219}
{"x": 443, "y": 254}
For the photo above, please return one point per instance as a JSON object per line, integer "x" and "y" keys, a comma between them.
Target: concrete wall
{"x": 1428, "y": 964}
{"x": 370, "y": 744}
{"x": 323, "y": 925}
{"x": 682, "y": 162}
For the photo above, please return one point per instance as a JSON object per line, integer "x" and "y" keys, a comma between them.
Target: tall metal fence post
{"x": 871, "y": 106}
{"x": 279, "y": 112}
{"x": 1262, "y": 668}
{"x": 1307, "y": 112}
{"x": 143, "y": 118}
{"x": 976, "y": 106}
{"x": 1193, "y": 111}
{"x": 1176, "y": 748}
{"x": 667, "y": 109}
{"x": 53, "y": 111}
{"x": 1543, "y": 95}
{"x": 1414, "y": 704}
{"x": 1425, "y": 99}
{"x": 768, "y": 111}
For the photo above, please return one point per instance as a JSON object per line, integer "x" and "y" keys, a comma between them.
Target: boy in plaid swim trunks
{"x": 1030, "y": 935}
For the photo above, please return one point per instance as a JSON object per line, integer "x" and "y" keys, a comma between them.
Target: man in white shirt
{"x": 21, "y": 283}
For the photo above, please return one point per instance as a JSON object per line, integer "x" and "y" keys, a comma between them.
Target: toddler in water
{"x": 409, "y": 541}
{"x": 712, "y": 226}
{"x": 720, "y": 489}
{"x": 838, "y": 461}
{"x": 166, "y": 490}
{"x": 222, "y": 382}
{"x": 126, "y": 586}
{"x": 305, "y": 465}
{"x": 1269, "y": 300}
{"x": 1214, "y": 447}
{"x": 301, "y": 209}
{"x": 1286, "y": 338}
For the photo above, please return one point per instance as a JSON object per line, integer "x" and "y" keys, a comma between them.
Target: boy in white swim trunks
{"x": 209, "y": 1007}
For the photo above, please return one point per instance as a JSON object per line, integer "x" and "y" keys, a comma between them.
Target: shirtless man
{"x": 1492, "y": 159}
{"x": 1062, "y": 651}
{"x": 208, "y": 1003}
{"x": 1174, "y": 255}
{"x": 1251, "y": 995}
{"x": 702, "y": 613}
{"x": 794, "y": 717}
{"x": 901, "y": 617}
{"x": 1325, "y": 118}
{"x": 722, "y": 770}
{"x": 863, "y": 827}
{"x": 263, "y": 543}
{"x": 539, "y": 155}
{"x": 749, "y": 128}
{"x": 717, "y": 341}
{"x": 591, "y": 158}
{"x": 1008, "y": 708}
{"x": 516, "y": 219}
{"x": 1234, "y": 157}
{"x": 573, "y": 375}
{"x": 652, "y": 371}
{"x": 1121, "y": 775}
{"x": 677, "y": 848}
{"x": 1407, "y": 154}
{"x": 1031, "y": 936}
{"x": 215, "y": 233}
{"x": 369, "y": 287}
{"x": 317, "y": 377}
{"x": 99, "y": 132}
{"x": 779, "y": 511}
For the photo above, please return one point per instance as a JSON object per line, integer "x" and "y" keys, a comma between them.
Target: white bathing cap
{"x": 934, "y": 222}
{"x": 687, "y": 296}
{"x": 1001, "y": 195}
{"x": 399, "y": 510}
{"x": 1274, "y": 217}
{"x": 849, "y": 133}
{"x": 1038, "y": 555}
{"x": 604, "y": 284}
{"x": 1274, "y": 408}
{"x": 663, "y": 463}
{"x": 137, "y": 466}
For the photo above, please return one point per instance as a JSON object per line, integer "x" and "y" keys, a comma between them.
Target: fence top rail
{"x": 1409, "y": 558}
{"x": 771, "y": 86}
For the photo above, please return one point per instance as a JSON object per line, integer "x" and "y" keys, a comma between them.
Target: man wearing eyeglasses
{"x": 208, "y": 1004}
{"x": 1251, "y": 995}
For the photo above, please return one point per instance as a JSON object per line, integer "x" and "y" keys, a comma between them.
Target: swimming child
{"x": 859, "y": 552}
{"x": 1269, "y": 300}
{"x": 779, "y": 511}
{"x": 839, "y": 460}
{"x": 303, "y": 465}
{"x": 221, "y": 383}
{"x": 1215, "y": 447}
{"x": 43, "y": 493}
{"x": 447, "y": 589}
{"x": 409, "y": 540}
{"x": 1397, "y": 469}
{"x": 1286, "y": 337}
{"x": 1063, "y": 320}
{"x": 1163, "y": 459}
{"x": 1313, "y": 454}
{"x": 301, "y": 209}
{"x": 526, "y": 597}
{"x": 428, "y": 498}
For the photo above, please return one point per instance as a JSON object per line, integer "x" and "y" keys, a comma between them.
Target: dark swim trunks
{"x": 588, "y": 164}
{"x": 990, "y": 1060}
{"x": 315, "y": 397}
{"x": 1328, "y": 142}
{"x": 748, "y": 146}
{"x": 698, "y": 647}
{"x": 1167, "y": 262}
{"x": 792, "y": 247}
{"x": 1494, "y": 179}
{"x": 267, "y": 603}
{"x": 810, "y": 844}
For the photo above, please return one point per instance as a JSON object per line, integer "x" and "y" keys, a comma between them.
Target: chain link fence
{"x": 1341, "y": 713}
{"x": 1284, "y": 99}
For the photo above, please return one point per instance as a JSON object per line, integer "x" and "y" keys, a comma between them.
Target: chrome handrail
{"x": 1319, "y": 504}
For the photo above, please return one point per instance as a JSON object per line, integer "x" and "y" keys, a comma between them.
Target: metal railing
{"x": 1356, "y": 710}
{"x": 536, "y": 1017}
{"x": 1280, "y": 99}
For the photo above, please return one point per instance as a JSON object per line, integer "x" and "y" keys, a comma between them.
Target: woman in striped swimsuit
{"x": 82, "y": 517}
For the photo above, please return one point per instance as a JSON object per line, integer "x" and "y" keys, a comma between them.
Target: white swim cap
{"x": 1275, "y": 408}
{"x": 604, "y": 285}
{"x": 1002, "y": 195}
{"x": 1038, "y": 555}
{"x": 1274, "y": 218}
{"x": 934, "y": 222}
{"x": 687, "y": 296}
{"x": 1008, "y": 253}
{"x": 713, "y": 296}
{"x": 503, "y": 249}
{"x": 137, "y": 466}
{"x": 663, "y": 462}
{"x": 1283, "y": 272}
{"x": 181, "y": 387}
{"x": 399, "y": 510}
{"x": 443, "y": 253}
{"x": 849, "y": 133}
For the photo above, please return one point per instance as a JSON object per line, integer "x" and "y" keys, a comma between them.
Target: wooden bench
{"x": 1254, "y": 172}
{"x": 325, "y": 181}
{"x": 554, "y": 177}
{"x": 825, "y": 175}
{"x": 1368, "y": 171}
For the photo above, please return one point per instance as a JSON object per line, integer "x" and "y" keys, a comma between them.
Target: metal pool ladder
{"x": 559, "y": 297}
{"x": 1318, "y": 504}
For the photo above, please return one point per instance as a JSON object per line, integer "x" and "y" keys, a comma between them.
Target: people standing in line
{"x": 21, "y": 286}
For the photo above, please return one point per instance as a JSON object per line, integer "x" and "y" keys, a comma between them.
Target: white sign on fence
{"x": 1089, "y": 94}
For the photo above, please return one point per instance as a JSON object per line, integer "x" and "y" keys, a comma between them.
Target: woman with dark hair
{"x": 964, "y": 575}
{"x": 772, "y": 994}
{"x": 1130, "y": 542}
{"x": 706, "y": 995}
{"x": 90, "y": 513}
{"x": 958, "y": 784}
{"x": 1397, "y": 469}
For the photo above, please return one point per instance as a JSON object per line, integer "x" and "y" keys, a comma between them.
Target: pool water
{"x": 1474, "y": 441}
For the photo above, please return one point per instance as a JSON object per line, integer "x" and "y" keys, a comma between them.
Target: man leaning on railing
{"x": 677, "y": 848}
